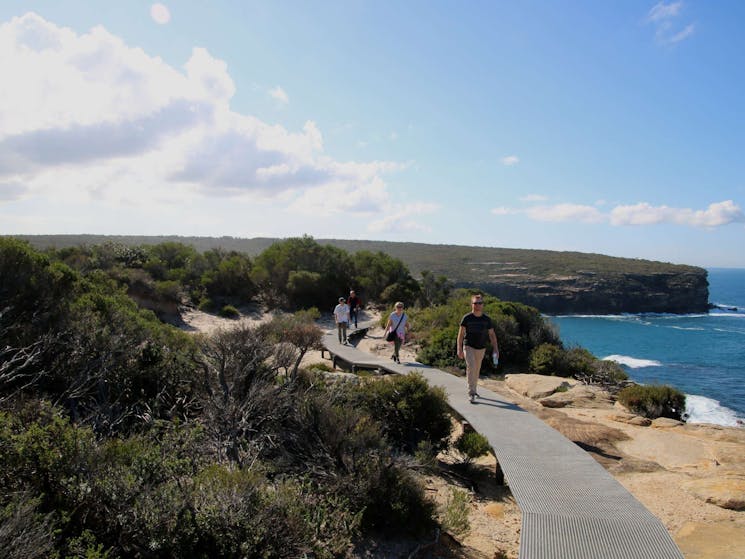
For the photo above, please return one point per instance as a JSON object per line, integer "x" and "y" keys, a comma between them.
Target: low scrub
{"x": 229, "y": 311}
{"x": 454, "y": 516}
{"x": 653, "y": 401}
{"x": 408, "y": 408}
{"x": 472, "y": 445}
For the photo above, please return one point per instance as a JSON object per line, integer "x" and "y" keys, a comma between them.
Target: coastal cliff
{"x": 557, "y": 282}
{"x": 609, "y": 293}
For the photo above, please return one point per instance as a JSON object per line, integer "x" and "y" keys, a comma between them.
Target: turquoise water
{"x": 702, "y": 355}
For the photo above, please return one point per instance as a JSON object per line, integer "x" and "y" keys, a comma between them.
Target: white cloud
{"x": 399, "y": 218}
{"x": 682, "y": 35}
{"x": 160, "y": 14}
{"x": 510, "y": 160}
{"x": 279, "y": 94}
{"x": 87, "y": 118}
{"x": 663, "y": 17}
{"x": 716, "y": 215}
{"x": 662, "y": 11}
{"x": 566, "y": 212}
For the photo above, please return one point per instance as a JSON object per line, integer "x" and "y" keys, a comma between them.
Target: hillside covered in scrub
{"x": 554, "y": 282}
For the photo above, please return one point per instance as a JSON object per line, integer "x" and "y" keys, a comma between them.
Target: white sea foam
{"x": 700, "y": 409}
{"x": 728, "y": 314}
{"x": 632, "y": 362}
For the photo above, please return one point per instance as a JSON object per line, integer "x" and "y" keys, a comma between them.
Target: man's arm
{"x": 459, "y": 345}
{"x": 493, "y": 338}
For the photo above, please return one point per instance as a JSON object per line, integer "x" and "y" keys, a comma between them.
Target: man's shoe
{"x": 472, "y": 398}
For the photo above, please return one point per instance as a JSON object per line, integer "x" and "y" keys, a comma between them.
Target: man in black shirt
{"x": 475, "y": 329}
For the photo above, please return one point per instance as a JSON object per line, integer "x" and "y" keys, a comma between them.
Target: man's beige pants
{"x": 474, "y": 357}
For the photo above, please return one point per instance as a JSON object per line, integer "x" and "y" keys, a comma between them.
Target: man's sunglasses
{"x": 477, "y": 303}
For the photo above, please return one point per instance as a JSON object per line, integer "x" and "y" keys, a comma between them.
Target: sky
{"x": 613, "y": 127}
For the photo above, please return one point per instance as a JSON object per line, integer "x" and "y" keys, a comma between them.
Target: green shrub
{"x": 454, "y": 515}
{"x": 578, "y": 361}
{"x": 395, "y": 501}
{"x": 408, "y": 408}
{"x": 439, "y": 349}
{"x": 546, "y": 359}
{"x": 168, "y": 290}
{"x": 472, "y": 445}
{"x": 653, "y": 401}
{"x": 229, "y": 311}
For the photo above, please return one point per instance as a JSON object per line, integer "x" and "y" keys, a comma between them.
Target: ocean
{"x": 702, "y": 355}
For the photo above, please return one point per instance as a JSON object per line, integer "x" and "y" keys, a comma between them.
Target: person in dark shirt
{"x": 475, "y": 330}
{"x": 355, "y": 305}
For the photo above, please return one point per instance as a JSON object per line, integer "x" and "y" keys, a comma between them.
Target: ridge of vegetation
{"x": 459, "y": 263}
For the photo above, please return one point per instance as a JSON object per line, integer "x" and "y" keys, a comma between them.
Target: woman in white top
{"x": 397, "y": 321}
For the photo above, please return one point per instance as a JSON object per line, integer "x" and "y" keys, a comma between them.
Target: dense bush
{"x": 439, "y": 350}
{"x": 374, "y": 272}
{"x": 653, "y": 401}
{"x": 300, "y": 273}
{"x": 34, "y": 293}
{"x": 518, "y": 328}
{"x": 408, "y": 408}
{"x": 551, "y": 359}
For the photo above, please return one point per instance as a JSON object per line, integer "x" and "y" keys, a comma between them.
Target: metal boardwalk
{"x": 572, "y": 508}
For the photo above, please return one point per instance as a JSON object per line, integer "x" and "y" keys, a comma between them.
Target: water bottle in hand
{"x": 495, "y": 358}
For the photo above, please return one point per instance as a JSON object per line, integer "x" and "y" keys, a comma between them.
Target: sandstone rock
{"x": 665, "y": 423}
{"x": 551, "y": 402}
{"x": 728, "y": 493}
{"x": 578, "y": 396}
{"x": 631, "y": 419}
{"x": 537, "y": 386}
{"x": 711, "y": 541}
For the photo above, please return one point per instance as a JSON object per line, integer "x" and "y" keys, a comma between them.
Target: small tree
{"x": 298, "y": 330}
{"x": 434, "y": 289}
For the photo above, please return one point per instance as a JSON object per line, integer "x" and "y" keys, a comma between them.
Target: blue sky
{"x": 607, "y": 127}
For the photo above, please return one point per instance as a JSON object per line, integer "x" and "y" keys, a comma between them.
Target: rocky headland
{"x": 586, "y": 292}
{"x": 557, "y": 282}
